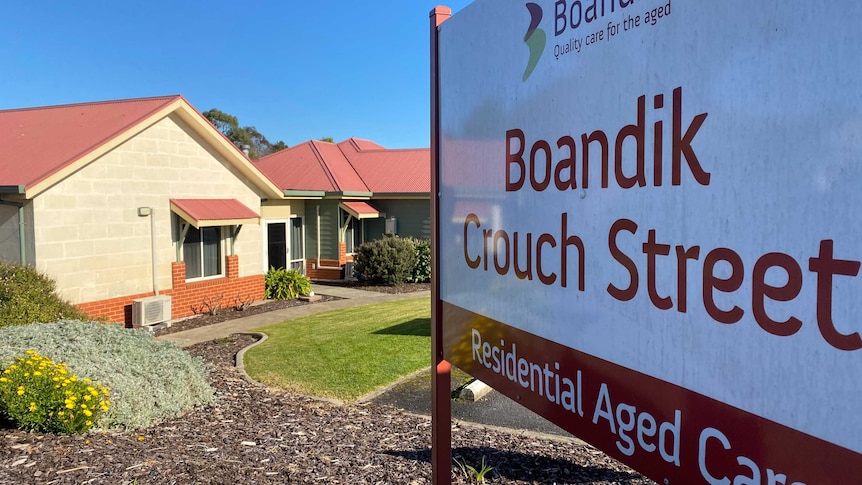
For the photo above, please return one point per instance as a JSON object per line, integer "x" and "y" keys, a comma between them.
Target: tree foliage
{"x": 243, "y": 136}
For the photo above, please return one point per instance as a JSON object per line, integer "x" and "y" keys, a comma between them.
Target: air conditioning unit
{"x": 151, "y": 311}
{"x": 348, "y": 271}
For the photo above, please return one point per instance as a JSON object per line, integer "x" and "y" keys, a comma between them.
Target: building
{"x": 343, "y": 194}
{"x": 122, "y": 200}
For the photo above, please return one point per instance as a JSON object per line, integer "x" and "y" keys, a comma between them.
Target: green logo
{"x": 535, "y": 39}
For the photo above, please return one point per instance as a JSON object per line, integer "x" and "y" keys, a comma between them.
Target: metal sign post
{"x": 441, "y": 405}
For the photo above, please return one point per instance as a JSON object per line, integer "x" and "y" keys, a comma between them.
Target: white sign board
{"x": 650, "y": 230}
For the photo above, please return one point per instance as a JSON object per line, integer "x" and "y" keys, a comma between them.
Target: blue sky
{"x": 295, "y": 70}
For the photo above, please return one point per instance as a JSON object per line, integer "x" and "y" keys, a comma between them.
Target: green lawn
{"x": 345, "y": 354}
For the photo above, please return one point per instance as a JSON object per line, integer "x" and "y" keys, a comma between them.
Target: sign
{"x": 649, "y": 228}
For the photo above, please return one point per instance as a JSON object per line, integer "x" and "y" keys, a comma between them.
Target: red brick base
{"x": 315, "y": 272}
{"x": 329, "y": 272}
{"x": 186, "y": 297}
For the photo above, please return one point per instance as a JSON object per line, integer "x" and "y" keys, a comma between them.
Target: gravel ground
{"x": 251, "y": 434}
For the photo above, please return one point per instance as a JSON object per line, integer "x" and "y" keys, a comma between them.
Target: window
{"x": 202, "y": 252}
{"x": 297, "y": 248}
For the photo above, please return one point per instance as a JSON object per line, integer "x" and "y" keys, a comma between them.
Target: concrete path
{"x": 350, "y": 298}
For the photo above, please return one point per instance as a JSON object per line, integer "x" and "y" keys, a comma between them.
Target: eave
{"x": 349, "y": 195}
{"x": 304, "y": 194}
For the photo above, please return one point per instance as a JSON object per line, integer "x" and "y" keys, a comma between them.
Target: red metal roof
{"x": 360, "y": 210}
{"x": 299, "y": 167}
{"x": 394, "y": 171}
{"x": 352, "y": 165}
{"x": 213, "y": 212}
{"x": 339, "y": 166}
{"x": 37, "y": 142}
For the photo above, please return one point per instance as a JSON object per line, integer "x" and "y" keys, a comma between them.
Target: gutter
{"x": 22, "y": 234}
{"x": 12, "y": 189}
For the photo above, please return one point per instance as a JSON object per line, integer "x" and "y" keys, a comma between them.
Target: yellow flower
{"x": 83, "y": 406}
{"x": 29, "y": 352}
{"x": 89, "y": 423}
{"x": 3, "y": 379}
{"x": 87, "y": 397}
{"x": 141, "y": 438}
{"x": 32, "y": 407}
{"x": 70, "y": 405}
{"x": 20, "y": 390}
{"x": 88, "y": 413}
{"x": 60, "y": 413}
{"x": 37, "y": 373}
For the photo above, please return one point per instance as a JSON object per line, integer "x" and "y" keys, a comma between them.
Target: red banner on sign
{"x": 667, "y": 432}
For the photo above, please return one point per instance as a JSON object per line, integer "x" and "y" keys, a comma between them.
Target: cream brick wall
{"x": 89, "y": 237}
{"x": 282, "y": 209}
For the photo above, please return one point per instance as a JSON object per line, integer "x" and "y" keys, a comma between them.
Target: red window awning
{"x": 360, "y": 210}
{"x": 214, "y": 212}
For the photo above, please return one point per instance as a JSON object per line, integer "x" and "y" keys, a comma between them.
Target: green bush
{"x": 422, "y": 268}
{"x": 38, "y": 394}
{"x": 286, "y": 284}
{"x": 27, "y": 296}
{"x": 388, "y": 261}
{"x": 149, "y": 380}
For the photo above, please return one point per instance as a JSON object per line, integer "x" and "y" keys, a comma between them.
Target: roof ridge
{"x": 171, "y": 97}
{"x": 353, "y": 167}
{"x": 322, "y": 161}
{"x": 377, "y": 150}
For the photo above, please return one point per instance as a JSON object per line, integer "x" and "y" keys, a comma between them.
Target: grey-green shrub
{"x": 388, "y": 261}
{"x": 286, "y": 284}
{"x": 28, "y": 296}
{"x": 149, "y": 380}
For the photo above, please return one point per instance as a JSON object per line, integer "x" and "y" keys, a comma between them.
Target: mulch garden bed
{"x": 251, "y": 434}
